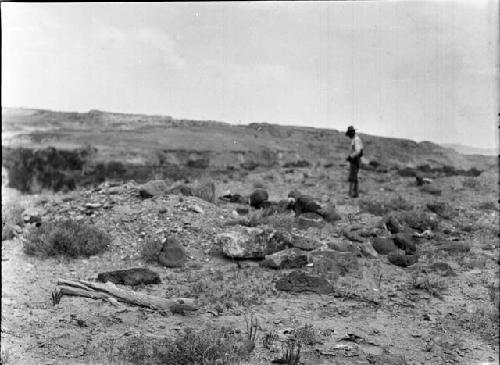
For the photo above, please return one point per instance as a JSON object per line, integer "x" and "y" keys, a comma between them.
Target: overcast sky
{"x": 425, "y": 70}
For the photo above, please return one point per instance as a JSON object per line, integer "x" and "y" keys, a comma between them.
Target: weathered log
{"x": 110, "y": 292}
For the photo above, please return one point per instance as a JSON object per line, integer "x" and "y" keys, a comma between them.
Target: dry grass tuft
{"x": 67, "y": 238}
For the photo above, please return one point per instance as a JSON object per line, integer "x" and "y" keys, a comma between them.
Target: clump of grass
{"x": 429, "y": 282}
{"x": 218, "y": 345}
{"x": 151, "y": 249}
{"x": 307, "y": 335}
{"x": 418, "y": 219}
{"x": 488, "y": 205}
{"x": 12, "y": 215}
{"x": 232, "y": 290}
{"x": 484, "y": 320}
{"x": 269, "y": 339}
{"x": 471, "y": 183}
{"x": 292, "y": 352}
{"x": 381, "y": 208}
{"x": 67, "y": 238}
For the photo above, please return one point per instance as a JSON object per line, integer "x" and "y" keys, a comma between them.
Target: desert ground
{"x": 407, "y": 273}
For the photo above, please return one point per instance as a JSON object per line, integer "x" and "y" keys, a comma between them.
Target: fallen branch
{"x": 113, "y": 294}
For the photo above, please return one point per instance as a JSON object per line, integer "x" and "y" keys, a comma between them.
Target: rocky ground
{"x": 432, "y": 304}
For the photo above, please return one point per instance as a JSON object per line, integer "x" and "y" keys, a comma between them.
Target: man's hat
{"x": 350, "y": 129}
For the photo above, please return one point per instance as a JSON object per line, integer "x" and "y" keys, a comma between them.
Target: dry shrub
{"x": 12, "y": 215}
{"x": 418, "y": 219}
{"x": 216, "y": 345}
{"x": 66, "y": 238}
{"x": 307, "y": 335}
{"x": 483, "y": 320}
{"x": 429, "y": 282}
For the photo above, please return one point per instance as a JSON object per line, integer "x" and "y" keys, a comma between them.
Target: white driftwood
{"x": 111, "y": 292}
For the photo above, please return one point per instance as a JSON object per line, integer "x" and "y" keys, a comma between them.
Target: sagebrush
{"x": 68, "y": 238}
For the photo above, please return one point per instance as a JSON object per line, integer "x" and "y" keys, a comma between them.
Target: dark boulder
{"x": 301, "y": 282}
{"x": 305, "y": 243}
{"x": 306, "y": 204}
{"x": 258, "y": 198}
{"x": 172, "y": 254}
{"x": 405, "y": 242}
{"x": 133, "y": 276}
{"x": 401, "y": 259}
{"x": 384, "y": 246}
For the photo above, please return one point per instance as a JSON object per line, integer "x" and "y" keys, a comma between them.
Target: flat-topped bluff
{"x": 153, "y": 144}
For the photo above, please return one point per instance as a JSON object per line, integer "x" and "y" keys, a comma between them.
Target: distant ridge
{"x": 467, "y": 150}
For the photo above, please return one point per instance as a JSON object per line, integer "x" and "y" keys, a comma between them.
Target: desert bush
{"x": 12, "y": 215}
{"x": 307, "y": 335}
{"x": 381, "y": 208}
{"x": 429, "y": 282}
{"x": 471, "y": 183}
{"x": 213, "y": 345}
{"x": 269, "y": 339}
{"x": 418, "y": 219}
{"x": 373, "y": 207}
{"x": 483, "y": 320}
{"x": 49, "y": 168}
{"x": 66, "y": 238}
{"x": 442, "y": 209}
{"x": 234, "y": 289}
{"x": 291, "y": 352}
{"x": 299, "y": 163}
{"x": 151, "y": 249}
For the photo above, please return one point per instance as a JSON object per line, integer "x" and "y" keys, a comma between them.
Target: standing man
{"x": 354, "y": 158}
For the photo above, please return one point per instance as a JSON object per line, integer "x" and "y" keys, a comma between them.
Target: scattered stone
{"x": 442, "y": 268}
{"x": 93, "y": 205}
{"x": 402, "y": 260}
{"x": 384, "y": 246}
{"x": 234, "y": 198}
{"x": 454, "y": 247}
{"x": 405, "y": 242}
{"x": 367, "y": 250}
{"x": 153, "y": 188}
{"x": 162, "y": 210}
{"x": 442, "y": 209}
{"x": 305, "y": 243}
{"x": 33, "y": 219}
{"x": 431, "y": 189}
{"x": 253, "y": 243}
{"x": 392, "y": 224}
{"x": 242, "y": 211}
{"x": 343, "y": 246}
{"x": 289, "y": 258}
{"x": 133, "y": 276}
{"x": 294, "y": 194}
{"x": 306, "y": 204}
{"x": 336, "y": 262}
{"x": 352, "y": 235}
{"x": 329, "y": 213}
{"x": 172, "y": 254}
{"x": 258, "y": 197}
{"x": 300, "y": 282}
{"x": 308, "y": 220}
{"x": 196, "y": 208}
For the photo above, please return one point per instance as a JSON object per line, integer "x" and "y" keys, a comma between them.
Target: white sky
{"x": 425, "y": 70}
